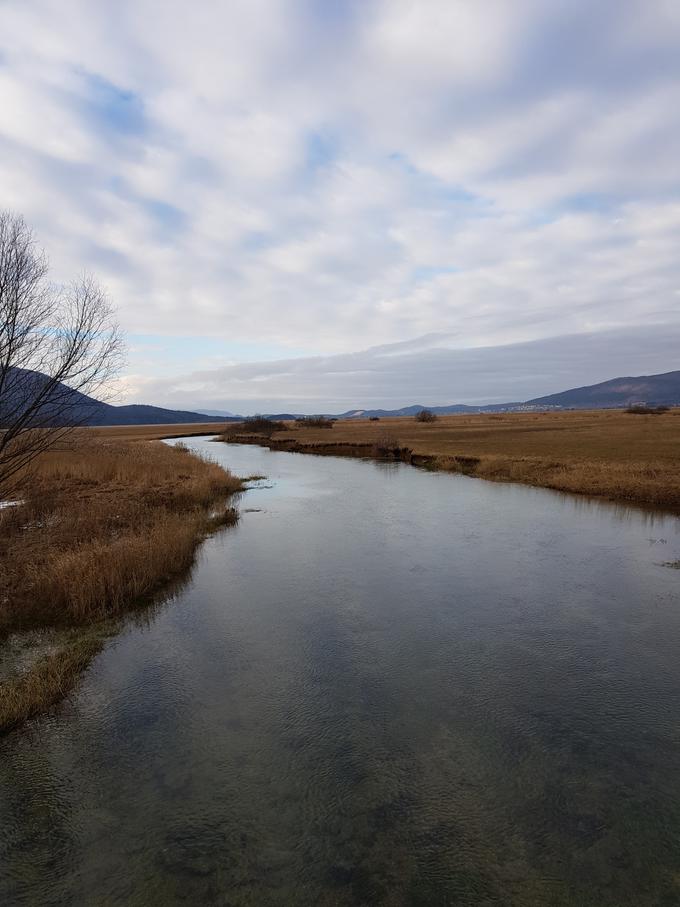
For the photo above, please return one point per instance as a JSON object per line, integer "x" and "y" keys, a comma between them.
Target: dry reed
{"x": 101, "y": 526}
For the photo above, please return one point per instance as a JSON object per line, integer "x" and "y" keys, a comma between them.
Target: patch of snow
{"x": 4, "y": 504}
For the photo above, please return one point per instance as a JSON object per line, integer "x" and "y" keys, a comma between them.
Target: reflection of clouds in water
{"x": 425, "y": 683}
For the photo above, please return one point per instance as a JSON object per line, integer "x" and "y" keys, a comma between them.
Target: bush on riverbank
{"x": 386, "y": 444}
{"x": 253, "y": 425}
{"x": 314, "y": 422}
{"x": 260, "y": 425}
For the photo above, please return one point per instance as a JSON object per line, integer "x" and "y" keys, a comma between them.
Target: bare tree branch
{"x": 58, "y": 347}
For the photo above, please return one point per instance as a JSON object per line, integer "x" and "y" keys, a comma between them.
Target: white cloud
{"x": 325, "y": 177}
{"x": 431, "y": 370}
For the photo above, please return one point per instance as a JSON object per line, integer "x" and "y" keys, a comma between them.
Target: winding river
{"x": 383, "y": 686}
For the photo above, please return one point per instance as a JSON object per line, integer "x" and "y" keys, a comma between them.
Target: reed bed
{"x": 100, "y": 527}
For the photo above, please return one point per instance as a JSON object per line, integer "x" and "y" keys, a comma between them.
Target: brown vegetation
{"x": 260, "y": 425}
{"x": 30, "y": 693}
{"x": 157, "y": 432}
{"x": 425, "y": 415}
{"x": 641, "y": 409}
{"x": 386, "y": 445}
{"x": 101, "y": 526}
{"x": 598, "y": 452}
{"x": 315, "y": 422}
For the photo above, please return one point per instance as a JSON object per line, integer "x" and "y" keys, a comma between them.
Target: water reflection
{"x": 391, "y": 687}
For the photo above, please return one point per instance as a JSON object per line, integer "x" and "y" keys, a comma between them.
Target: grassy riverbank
{"x": 101, "y": 527}
{"x": 607, "y": 453}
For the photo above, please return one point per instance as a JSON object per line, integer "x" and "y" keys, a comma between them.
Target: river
{"x": 382, "y": 686}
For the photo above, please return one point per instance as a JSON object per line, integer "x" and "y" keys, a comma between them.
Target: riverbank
{"x": 604, "y": 453}
{"x": 98, "y": 529}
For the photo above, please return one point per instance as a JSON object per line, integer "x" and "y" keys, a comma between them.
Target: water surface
{"x": 383, "y": 686}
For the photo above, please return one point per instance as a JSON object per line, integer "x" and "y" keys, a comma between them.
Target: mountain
{"x": 452, "y": 408}
{"x": 22, "y": 385}
{"x": 618, "y": 392}
{"x": 650, "y": 389}
{"x": 139, "y": 414}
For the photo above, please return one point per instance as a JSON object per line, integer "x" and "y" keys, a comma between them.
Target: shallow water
{"x": 383, "y": 686}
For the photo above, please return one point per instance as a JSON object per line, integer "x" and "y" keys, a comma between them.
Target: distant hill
{"x": 140, "y": 414}
{"x": 416, "y": 408}
{"x": 650, "y": 389}
{"x": 84, "y": 410}
{"x": 618, "y": 392}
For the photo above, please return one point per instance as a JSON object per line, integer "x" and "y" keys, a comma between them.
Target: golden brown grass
{"x": 102, "y": 525}
{"x": 156, "y": 432}
{"x": 609, "y": 453}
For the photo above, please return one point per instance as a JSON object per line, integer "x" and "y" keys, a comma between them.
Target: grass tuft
{"x": 45, "y": 684}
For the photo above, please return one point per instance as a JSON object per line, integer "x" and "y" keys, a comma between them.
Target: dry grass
{"x": 101, "y": 527}
{"x": 602, "y": 452}
{"x": 157, "y": 432}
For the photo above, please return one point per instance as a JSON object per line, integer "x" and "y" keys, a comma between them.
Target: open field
{"x": 101, "y": 526}
{"x": 609, "y": 453}
{"x": 155, "y": 432}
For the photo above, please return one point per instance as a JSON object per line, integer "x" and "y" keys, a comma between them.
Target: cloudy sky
{"x": 322, "y": 204}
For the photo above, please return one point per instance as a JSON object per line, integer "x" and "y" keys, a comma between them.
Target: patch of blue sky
{"x": 257, "y": 240}
{"x": 112, "y": 108}
{"x": 321, "y": 149}
{"x": 434, "y": 189}
{"x": 167, "y": 220}
{"x": 430, "y": 272}
{"x": 591, "y": 201}
{"x": 581, "y": 203}
{"x": 331, "y": 16}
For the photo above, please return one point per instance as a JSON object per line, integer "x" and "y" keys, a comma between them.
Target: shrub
{"x": 261, "y": 425}
{"x": 387, "y": 443}
{"x": 374, "y": 419}
{"x": 642, "y": 409}
{"x": 314, "y": 422}
{"x": 426, "y": 415}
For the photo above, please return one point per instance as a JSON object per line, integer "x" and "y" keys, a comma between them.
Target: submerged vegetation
{"x": 98, "y": 528}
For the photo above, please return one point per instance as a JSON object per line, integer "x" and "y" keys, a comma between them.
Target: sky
{"x": 316, "y": 205}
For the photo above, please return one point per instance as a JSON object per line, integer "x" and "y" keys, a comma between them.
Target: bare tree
{"x": 56, "y": 346}
{"x": 426, "y": 415}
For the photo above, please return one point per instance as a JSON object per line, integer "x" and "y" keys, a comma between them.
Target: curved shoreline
{"x": 616, "y": 483}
